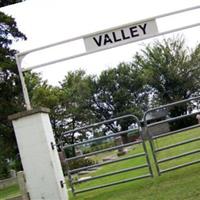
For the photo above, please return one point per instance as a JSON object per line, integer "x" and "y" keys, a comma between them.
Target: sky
{"x": 48, "y": 21}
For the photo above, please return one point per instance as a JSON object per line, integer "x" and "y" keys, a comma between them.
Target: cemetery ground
{"x": 181, "y": 184}
{"x": 9, "y": 192}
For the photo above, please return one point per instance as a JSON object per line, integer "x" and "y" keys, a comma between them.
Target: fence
{"x": 164, "y": 116}
{"x": 139, "y": 141}
{"x": 192, "y": 139}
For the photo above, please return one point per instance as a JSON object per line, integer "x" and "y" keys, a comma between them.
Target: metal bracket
{"x": 52, "y": 146}
{"x": 62, "y": 184}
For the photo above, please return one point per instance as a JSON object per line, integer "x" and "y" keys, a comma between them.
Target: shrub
{"x": 4, "y": 169}
{"x": 82, "y": 162}
{"x": 98, "y": 147}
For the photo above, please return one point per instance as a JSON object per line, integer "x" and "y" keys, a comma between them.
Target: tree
{"x": 120, "y": 91}
{"x": 44, "y": 95}
{"x": 171, "y": 72}
{"x": 77, "y": 90}
{"x": 8, "y": 2}
{"x": 70, "y": 104}
{"x": 10, "y": 89}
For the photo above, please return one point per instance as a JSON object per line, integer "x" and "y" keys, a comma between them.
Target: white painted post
{"x": 40, "y": 160}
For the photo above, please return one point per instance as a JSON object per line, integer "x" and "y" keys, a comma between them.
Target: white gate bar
{"x": 105, "y": 48}
{"x": 22, "y": 54}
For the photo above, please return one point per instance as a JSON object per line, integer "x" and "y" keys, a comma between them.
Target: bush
{"x": 69, "y": 152}
{"x": 4, "y": 169}
{"x": 97, "y": 147}
{"x": 183, "y": 123}
{"x": 82, "y": 162}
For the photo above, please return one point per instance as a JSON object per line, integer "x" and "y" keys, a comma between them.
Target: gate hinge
{"x": 62, "y": 184}
{"x": 52, "y": 146}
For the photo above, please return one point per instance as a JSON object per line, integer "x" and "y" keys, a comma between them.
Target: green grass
{"x": 9, "y": 192}
{"x": 181, "y": 184}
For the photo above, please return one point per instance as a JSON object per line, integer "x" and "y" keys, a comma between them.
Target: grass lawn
{"x": 181, "y": 184}
{"x": 9, "y": 192}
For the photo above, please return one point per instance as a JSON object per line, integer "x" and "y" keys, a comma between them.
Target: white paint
{"x": 41, "y": 164}
{"x": 122, "y": 35}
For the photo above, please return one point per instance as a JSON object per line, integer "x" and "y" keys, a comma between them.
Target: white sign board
{"x": 121, "y": 35}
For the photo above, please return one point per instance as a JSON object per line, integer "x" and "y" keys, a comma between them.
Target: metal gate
{"x": 185, "y": 148}
{"x": 127, "y": 171}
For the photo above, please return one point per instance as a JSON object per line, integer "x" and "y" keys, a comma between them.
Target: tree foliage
{"x": 170, "y": 69}
{"x": 10, "y": 90}
{"x": 8, "y": 2}
{"x": 44, "y": 95}
{"x": 120, "y": 91}
{"x": 69, "y": 103}
{"x": 172, "y": 72}
{"x": 77, "y": 90}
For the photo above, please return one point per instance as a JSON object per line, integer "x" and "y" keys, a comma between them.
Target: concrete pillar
{"x": 22, "y": 185}
{"x": 42, "y": 168}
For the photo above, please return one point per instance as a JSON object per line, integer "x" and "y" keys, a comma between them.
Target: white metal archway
{"x": 104, "y": 39}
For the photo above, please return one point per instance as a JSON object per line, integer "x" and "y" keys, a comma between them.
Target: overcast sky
{"x": 48, "y": 21}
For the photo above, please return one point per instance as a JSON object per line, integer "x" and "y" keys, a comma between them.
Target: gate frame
{"x": 151, "y": 138}
{"x": 144, "y": 153}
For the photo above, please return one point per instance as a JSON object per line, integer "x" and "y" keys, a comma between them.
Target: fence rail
{"x": 144, "y": 155}
{"x": 146, "y": 164}
{"x": 153, "y": 139}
